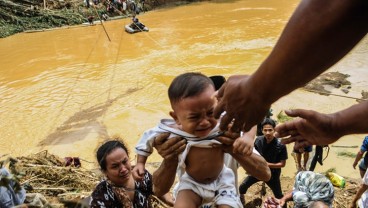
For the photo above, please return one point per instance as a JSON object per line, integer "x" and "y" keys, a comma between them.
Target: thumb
{"x": 298, "y": 113}
{"x": 141, "y": 172}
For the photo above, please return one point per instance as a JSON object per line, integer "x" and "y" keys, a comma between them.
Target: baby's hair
{"x": 188, "y": 85}
{"x": 107, "y": 148}
{"x": 268, "y": 121}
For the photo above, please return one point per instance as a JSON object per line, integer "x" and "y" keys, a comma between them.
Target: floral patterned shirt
{"x": 110, "y": 196}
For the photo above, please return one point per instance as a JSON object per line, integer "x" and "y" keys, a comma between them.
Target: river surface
{"x": 66, "y": 90}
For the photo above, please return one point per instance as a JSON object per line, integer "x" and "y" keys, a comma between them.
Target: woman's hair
{"x": 107, "y": 148}
{"x": 268, "y": 121}
{"x": 310, "y": 187}
{"x": 188, "y": 85}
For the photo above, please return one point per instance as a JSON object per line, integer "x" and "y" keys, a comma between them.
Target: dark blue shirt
{"x": 364, "y": 148}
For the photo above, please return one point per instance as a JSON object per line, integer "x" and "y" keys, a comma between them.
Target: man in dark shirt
{"x": 274, "y": 153}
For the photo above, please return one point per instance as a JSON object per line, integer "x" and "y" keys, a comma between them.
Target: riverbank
{"x": 42, "y": 15}
{"x": 67, "y": 186}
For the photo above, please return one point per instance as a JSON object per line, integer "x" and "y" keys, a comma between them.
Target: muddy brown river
{"x": 66, "y": 90}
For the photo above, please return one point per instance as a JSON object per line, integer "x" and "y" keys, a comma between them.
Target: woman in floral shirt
{"x": 119, "y": 189}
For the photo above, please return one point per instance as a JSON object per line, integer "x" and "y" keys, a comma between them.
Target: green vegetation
{"x": 282, "y": 117}
{"x": 347, "y": 154}
{"x": 21, "y": 15}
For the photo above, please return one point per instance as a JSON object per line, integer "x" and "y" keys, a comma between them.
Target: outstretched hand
{"x": 241, "y": 103}
{"x": 309, "y": 128}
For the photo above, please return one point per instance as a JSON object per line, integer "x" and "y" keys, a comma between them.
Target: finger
{"x": 172, "y": 142}
{"x": 215, "y": 145}
{"x": 288, "y": 140}
{"x": 299, "y": 113}
{"x": 141, "y": 173}
{"x": 284, "y": 130}
{"x": 225, "y": 121}
{"x": 180, "y": 146}
{"x": 238, "y": 125}
{"x": 232, "y": 135}
{"x": 225, "y": 140}
{"x": 161, "y": 138}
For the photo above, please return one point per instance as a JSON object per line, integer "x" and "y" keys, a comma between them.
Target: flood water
{"x": 67, "y": 89}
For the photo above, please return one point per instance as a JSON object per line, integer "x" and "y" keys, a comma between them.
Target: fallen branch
{"x": 346, "y": 146}
{"x": 52, "y": 189}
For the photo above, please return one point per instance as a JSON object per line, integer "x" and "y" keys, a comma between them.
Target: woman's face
{"x": 118, "y": 168}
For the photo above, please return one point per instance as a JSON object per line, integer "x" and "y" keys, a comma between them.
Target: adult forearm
{"x": 318, "y": 34}
{"x": 164, "y": 176}
{"x": 358, "y": 157}
{"x": 255, "y": 165}
{"x": 359, "y": 193}
{"x": 351, "y": 120}
{"x": 276, "y": 165}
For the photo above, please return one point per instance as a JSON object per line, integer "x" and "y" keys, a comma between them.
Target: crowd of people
{"x": 209, "y": 137}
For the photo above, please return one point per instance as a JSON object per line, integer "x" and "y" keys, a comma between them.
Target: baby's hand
{"x": 243, "y": 145}
{"x": 138, "y": 171}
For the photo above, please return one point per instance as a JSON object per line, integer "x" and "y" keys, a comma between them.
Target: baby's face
{"x": 195, "y": 114}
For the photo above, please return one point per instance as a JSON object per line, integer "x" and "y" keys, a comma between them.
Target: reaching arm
{"x": 321, "y": 129}
{"x": 349, "y": 121}
{"x": 307, "y": 46}
{"x": 253, "y": 163}
{"x": 357, "y": 158}
{"x": 169, "y": 149}
{"x": 164, "y": 176}
{"x": 318, "y": 34}
{"x": 277, "y": 165}
{"x": 359, "y": 193}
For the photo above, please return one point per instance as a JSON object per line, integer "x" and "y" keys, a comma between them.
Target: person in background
{"x": 310, "y": 189}
{"x": 361, "y": 196}
{"x": 90, "y": 19}
{"x": 305, "y": 153}
{"x": 136, "y": 24}
{"x": 259, "y": 126}
{"x": 274, "y": 153}
{"x": 363, "y": 164}
{"x": 305, "y": 49}
{"x": 119, "y": 189}
{"x": 105, "y": 16}
{"x": 318, "y": 156}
